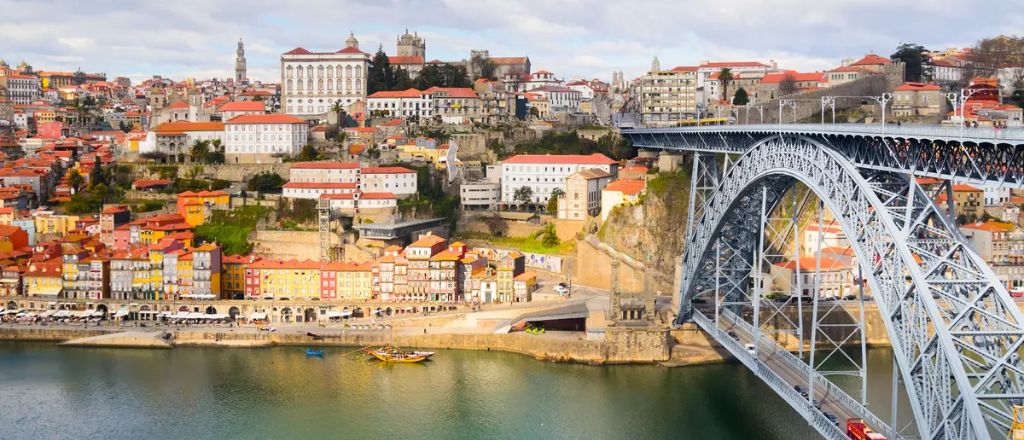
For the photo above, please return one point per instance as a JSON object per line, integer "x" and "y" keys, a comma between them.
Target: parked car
{"x": 732, "y": 334}
{"x": 750, "y": 349}
{"x": 800, "y": 389}
{"x": 831, "y": 417}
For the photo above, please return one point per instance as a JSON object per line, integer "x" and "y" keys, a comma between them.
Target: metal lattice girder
{"x": 977, "y": 155}
{"x": 958, "y": 352}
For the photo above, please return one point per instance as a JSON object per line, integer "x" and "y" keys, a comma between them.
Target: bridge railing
{"x": 815, "y": 418}
{"x": 831, "y": 390}
{"x": 910, "y": 130}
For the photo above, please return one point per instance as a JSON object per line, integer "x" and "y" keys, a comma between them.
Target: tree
{"x": 523, "y": 195}
{"x": 556, "y": 194}
{"x": 97, "y": 175}
{"x": 200, "y": 151}
{"x": 379, "y": 75}
{"x": 442, "y": 75}
{"x": 75, "y": 179}
{"x": 1002, "y": 54}
{"x": 482, "y": 67}
{"x": 548, "y": 236}
{"x": 124, "y": 126}
{"x": 265, "y": 182}
{"x": 741, "y": 97}
{"x": 917, "y": 66}
{"x": 496, "y": 225}
{"x": 308, "y": 153}
{"x": 725, "y": 76}
{"x": 534, "y": 112}
{"x": 788, "y": 84}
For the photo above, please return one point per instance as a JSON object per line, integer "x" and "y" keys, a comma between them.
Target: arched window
{"x": 320, "y": 84}
{"x": 289, "y": 70}
{"x": 359, "y": 71}
{"x": 309, "y": 84}
{"x": 359, "y": 85}
{"x": 289, "y": 82}
{"x": 348, "y": 71}
{"x": 299, "y": 85}
{"x": 338, "y": 68}
{"x": 330, "y": 84}
{"x": 348, "y": 84}
{"x": 330, "y": 72}
{"x": 309, "y": 71}
{"x": 298, "y": 72}
{"x": 320, "y": 71}
{"x": 339, "y": 84}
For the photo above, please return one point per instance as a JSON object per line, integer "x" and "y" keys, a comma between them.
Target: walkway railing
{"x": 815, "y": 418}
{"x": 831, "y": 389}
{"x": 909, "y": 130}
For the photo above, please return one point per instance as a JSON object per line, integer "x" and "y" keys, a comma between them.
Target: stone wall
{"x": 592, "y": 268}
{"x": 300, "y": 245}
{"x": 242, "y": 172}
{"x": 627, "y": 345}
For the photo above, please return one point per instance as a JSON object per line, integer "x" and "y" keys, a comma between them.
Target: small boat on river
{"x": 393, "y": 354}
{"x": 314, "y": 353}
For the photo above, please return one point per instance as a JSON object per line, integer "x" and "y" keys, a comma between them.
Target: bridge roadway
{"x": 977, "y": 155}
{"x": 788, "y": 372}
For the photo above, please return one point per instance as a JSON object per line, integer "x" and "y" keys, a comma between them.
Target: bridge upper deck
{"x": 982, "y": 155}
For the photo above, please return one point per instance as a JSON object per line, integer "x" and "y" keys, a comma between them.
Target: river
{"x": 48, "y": 392}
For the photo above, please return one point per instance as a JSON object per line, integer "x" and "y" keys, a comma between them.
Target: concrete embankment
{"x": 43, "y": 334}
{"x": 122, "y": 339}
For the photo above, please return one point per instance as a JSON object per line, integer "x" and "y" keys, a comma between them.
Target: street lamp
{"x": 829, "y": 101}
{"x": 786, "y": 103}
{"x": 882, "y": 100}
{"x": 959, "y": 101}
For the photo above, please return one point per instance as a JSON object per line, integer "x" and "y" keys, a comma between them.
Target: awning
{"x": 62, "y": 314}
{"x": 200, "y": 296}
{"x": 46, "y": 291}
{"x": 48, "y": 313}
{"x": 257, "y": 316}
{"x": 97, "y": 313}
{"x": 83, "y": 313}
{"x": 121, "y": 313}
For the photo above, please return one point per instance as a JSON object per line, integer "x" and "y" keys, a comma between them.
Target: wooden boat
{"x": 426, "y": 354}
{"x": 392, "y": 354}
{"x": 317, "y": 353}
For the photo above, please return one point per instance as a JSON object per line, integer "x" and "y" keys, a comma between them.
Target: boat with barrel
{"x": 393, "y": 354}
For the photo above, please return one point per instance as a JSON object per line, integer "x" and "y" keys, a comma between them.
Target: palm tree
{"x": 725, "y": 76}
{"x": 339, "y": 110}
{"x": 200, "y": 150}
{"x": 75, "y": 179}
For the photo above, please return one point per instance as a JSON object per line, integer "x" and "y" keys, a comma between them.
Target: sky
{"x": 573, "y": 38}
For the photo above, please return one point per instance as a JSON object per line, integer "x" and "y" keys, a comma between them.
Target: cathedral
{"x": 412, "y": 45}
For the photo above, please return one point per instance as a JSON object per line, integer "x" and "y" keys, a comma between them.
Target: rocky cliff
{"x": 652, "y": 230}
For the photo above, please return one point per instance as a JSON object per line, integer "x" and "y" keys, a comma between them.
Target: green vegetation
{"x": 548, "y": 236}
{"x": 298, "y": 211}
{"x": 231, "y": 229}
{"x": 164, "y": 171}
{"x": 741, "y": 97}
{"x": 534, "y": 244}
{"x": 265, "y": 182}
{"x": 916, "y": 66}
{"x": 665, "y": 182}
{"x": 556, "y": 194}
{"x": 570, "y": 143}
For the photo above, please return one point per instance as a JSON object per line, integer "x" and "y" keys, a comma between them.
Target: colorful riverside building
{"x": 444, "y": 273}
{"x": 283, "y": 279}
{"x": 346, "y": 281}
{"x": 44, "y": 280}
{"x": 232, "y": 279}
{"x": 195, "y": 207}
{"x": 419, "y": 254}
{"x": 206, "y": 271}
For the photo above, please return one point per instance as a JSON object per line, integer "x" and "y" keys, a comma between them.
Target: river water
{"x": 48, "y": 392}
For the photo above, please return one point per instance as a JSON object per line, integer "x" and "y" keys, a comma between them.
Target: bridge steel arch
{"x": 957, "y": 352}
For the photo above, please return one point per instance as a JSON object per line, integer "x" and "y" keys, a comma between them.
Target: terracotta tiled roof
{"x": 385, "y": 170}
{"x": 627, "y": 186}
{"x": 242, "y": 106}
{"x": 325, "y": 165}
{"x": 593, "y": 159}
{"x": 273, "y": 118}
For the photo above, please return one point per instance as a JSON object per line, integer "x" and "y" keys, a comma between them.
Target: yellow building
{"x": 232, "y": 281}
{"x": 416, "y": 153}
{"x": 185, "y": 274}
{"x": 195, "y": 207}
{"x": 292, "y": 279}
{"x": 55, "y": 224}
{"x": 43, "y": 280}
{"x": 42, "y": 116}
{"x": 347, "y": 281}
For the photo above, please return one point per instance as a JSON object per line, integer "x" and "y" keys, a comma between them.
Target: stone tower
{"x": 240, "y": 63}
{"x": 655, "y": 65}
{"x": 411, "y": 45}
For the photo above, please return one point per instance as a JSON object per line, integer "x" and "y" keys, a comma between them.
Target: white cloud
{"x": 587, "y": 38}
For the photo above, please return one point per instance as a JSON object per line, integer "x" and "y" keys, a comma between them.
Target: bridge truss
{"x": 955, "y": 331}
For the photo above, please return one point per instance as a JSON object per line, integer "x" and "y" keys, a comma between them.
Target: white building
{"x": 831, "y": 236}
{"x": 480, "y": 196}
{"x": 22, "y": 89}
{"x": 175, "y": 139}
{"x": 560, "y": 99}
{"x": 706, "y": 69}
{"x": 356, "y": 201}
{"x": 313, "y": 190}
{"x": 263, "y": 138}
{"x": 397, "y": 180}
{"x": 311, "y": 82}
{"x": 619, "y": 192}
{"x": 582, "y": 198}
{"x": 324, "y": 172}
{"x": 586, "y": 91}
{"x": 837, "y": 277}
{"x": 542, "y": 173}
{"x": 401, "y": 103}
{"x": 948, "y": 70}
{"x": 541, "y": 78}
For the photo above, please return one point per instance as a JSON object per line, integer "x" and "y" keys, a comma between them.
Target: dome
{"x": 24, "y": 67}
{"x": 352, "y": 41}
{"x": 3, "y": 63}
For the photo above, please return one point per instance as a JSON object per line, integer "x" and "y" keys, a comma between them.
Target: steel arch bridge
{"x": 956, "y": 332}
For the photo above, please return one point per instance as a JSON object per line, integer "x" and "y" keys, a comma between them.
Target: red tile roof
{"x": 242, "y": 106}
{"x": 183, "y": 126}
{"x": 916, "y": 86}
{"x": 508, "y": 60}
{"x": 991, "y": 226}
{"x": 405, "y": 60}
{"x": 734, "y": 64}
{"x": 178, "y": 105}
{"x": 774, "y": 78}
{"x": 408, "y": 93}
{"x": 627, "y": 186}
{"x": 872, "y": 60}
